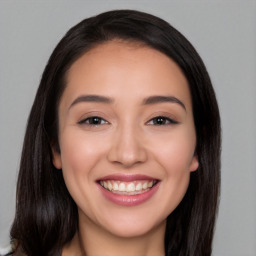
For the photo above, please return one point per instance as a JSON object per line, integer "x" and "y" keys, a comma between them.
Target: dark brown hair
{"x": 46, "y": 215}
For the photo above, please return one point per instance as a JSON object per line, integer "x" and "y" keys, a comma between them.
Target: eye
{"x": 162, "y": 120}
{"x": 93, "y": 120}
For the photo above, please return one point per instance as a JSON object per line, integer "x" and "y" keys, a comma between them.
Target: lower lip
{"x": 129, "y": 200}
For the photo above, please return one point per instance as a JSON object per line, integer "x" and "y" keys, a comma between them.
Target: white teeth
{"x": 132, "y": 188}
{"x": 109, "y": 185}
{"x": 115, "y": 187}
{"x": 145, "y": 186}
{"x": 122, "y": 187}
{"x": 138, "y": 187}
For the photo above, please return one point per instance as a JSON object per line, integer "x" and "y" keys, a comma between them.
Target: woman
{"x": 122, "y": 150}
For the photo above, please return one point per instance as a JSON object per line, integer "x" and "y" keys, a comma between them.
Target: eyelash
{"x": 93, "y": 120}
{"x": 161, "y": 120}
{"x": 157, "y": 121}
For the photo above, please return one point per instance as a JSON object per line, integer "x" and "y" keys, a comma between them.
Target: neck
{"x": 94, "y": 241}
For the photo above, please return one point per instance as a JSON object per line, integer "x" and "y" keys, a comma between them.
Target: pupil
{"x": 159, "y": 120}
{"x": 95, "y": 120}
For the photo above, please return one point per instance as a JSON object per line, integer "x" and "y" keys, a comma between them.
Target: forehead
{"x": 123, "y": 68}
{"x": 121, "y": 54}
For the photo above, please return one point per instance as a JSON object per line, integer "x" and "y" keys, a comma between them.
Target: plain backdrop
{"x": 223, "y": 32}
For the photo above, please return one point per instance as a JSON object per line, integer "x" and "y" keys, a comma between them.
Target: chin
{"x": 134, "y": 226}
{"x": 131, "y": 232}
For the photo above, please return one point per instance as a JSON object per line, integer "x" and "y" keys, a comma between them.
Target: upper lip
{"x": 127, "y": 177}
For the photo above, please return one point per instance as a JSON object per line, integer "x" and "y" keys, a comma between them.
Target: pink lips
{"x": 128, "y": 200}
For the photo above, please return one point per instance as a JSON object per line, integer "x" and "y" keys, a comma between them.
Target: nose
{"x": 127, "y": 147}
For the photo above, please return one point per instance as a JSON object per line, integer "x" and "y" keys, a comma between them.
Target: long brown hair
{"x": 46, "y": 215}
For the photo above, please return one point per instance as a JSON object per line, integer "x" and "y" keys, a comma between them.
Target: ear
{"x": 194, "y": 164}
{"x": 56, "y": 158}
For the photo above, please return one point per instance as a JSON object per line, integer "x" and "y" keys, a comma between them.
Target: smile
{"x": 127, "y": 188}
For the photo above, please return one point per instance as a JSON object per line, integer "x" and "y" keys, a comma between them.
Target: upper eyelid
{"x": 171, "y": 120}
{"x": 164, "y": 115}
{"x": 93, "y": 113}
{"x": 83, "y": 120}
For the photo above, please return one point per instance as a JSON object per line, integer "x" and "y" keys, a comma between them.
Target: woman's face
{"x": 127, "y": 138}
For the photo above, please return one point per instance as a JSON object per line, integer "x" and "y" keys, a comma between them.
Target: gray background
{"x": 223, "y": 32}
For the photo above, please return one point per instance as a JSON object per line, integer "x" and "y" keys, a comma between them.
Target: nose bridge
{"x": 127, "y": 147}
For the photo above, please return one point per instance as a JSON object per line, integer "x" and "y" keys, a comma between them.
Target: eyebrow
{"x": 148, "y": 101}
{"x": 92, "y": 98}
{"x": 163, "y": 99}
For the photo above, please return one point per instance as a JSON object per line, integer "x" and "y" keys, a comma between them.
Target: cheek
{"x": 175, "y": 160}
{"x": 78, "y": 150}
{"x": 175, "y": 155}
{"x": 79, "y": 155}
{"x": 176, "y": 152}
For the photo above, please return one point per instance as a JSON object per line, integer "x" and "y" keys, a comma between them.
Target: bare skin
{"x": 87, "y": 244}
{"x": 139, "y": 123}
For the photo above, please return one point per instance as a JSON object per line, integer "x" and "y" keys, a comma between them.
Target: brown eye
{"x": 159, "y": 120}
{"x": 162, "y": 120}
{"x": 93, "y": 120}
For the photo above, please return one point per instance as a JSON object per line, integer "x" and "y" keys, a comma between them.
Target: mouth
{"x": 128, "y": 188}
